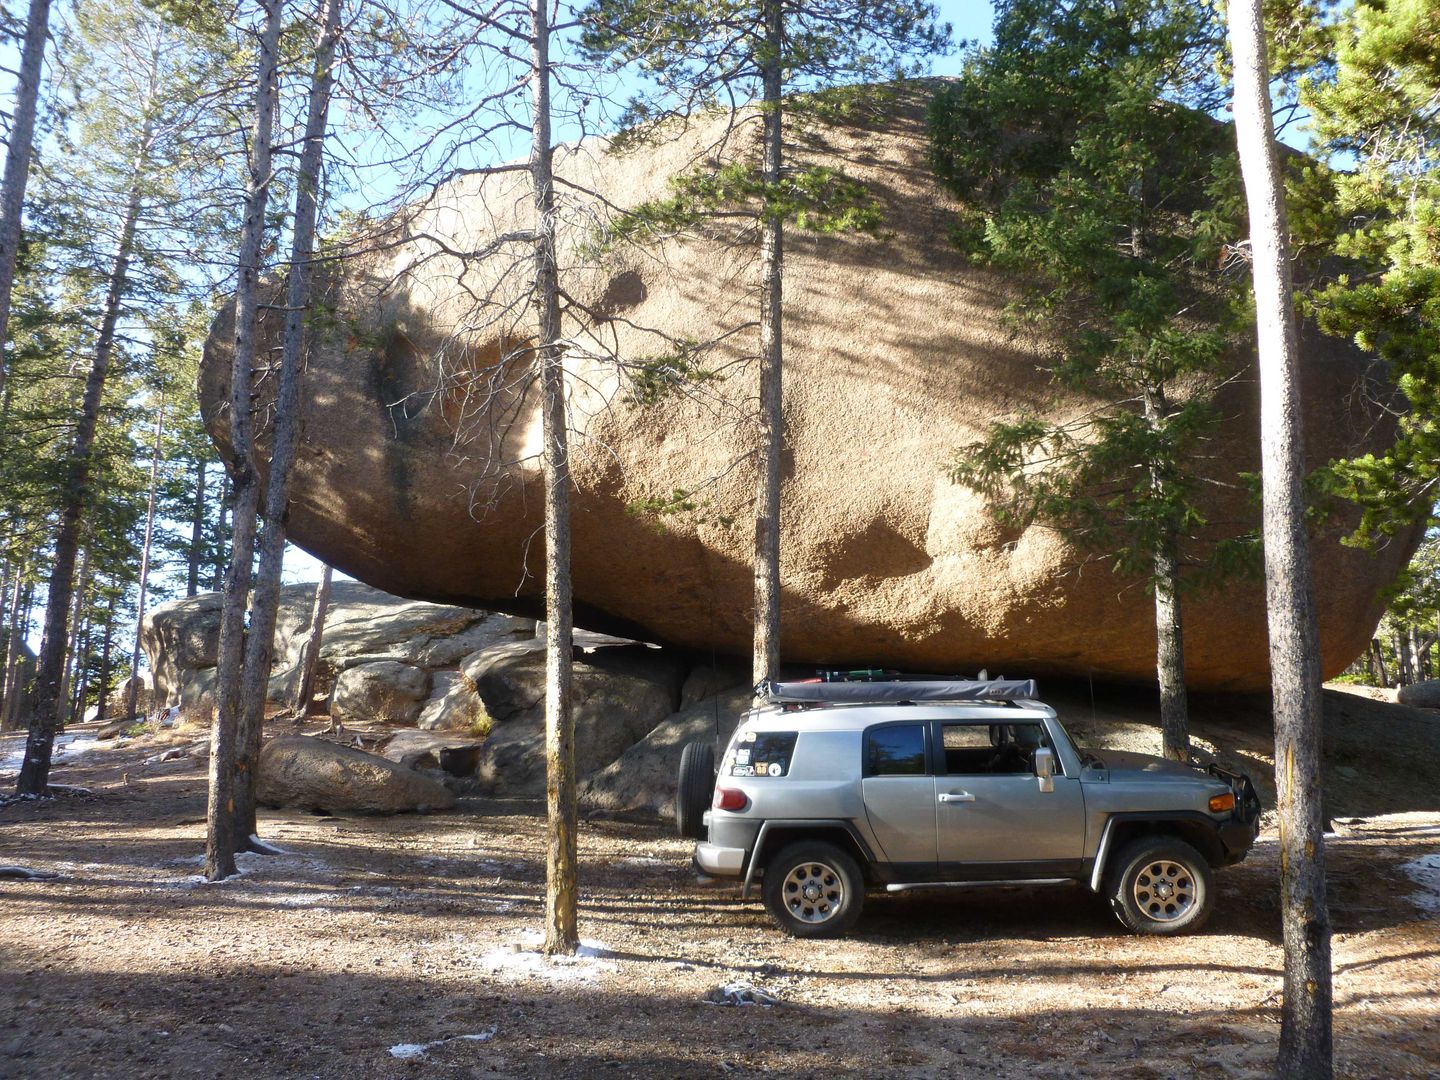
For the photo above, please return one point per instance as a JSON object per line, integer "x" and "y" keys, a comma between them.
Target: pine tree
{"x": 691, "y": 57}
{"x": 1374, "y": 106}
{"x": 131, "y": 134}
{"x": 1306, "y": 1036}
{"x": 1082, "y": 146}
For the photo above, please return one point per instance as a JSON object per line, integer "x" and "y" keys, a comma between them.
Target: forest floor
{"x": 404, "y": 947}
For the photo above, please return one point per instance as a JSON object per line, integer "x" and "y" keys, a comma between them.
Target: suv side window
{"x": 990, "y": 749}
{"x": 895, "y": 750}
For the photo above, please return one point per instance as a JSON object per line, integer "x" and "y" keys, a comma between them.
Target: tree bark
{"x": 1169, "y": 635}
{"x": 561, "y": 858}
{"x": 35, "y": 773}
{"x": 133, "y": 693}
{"x": 310, "y": 648}
{"x": 766, "y": 659}
{"x": 72, "y": 649}
{"x": 9, "y": 689}
{"x": 19, "y": 149}
{"x": 265, "y": 602}
{"x": 82, "y": 669}
{"x": 107, "y": 645}
{"x": 1380, "y": 661}
{"x": 1306, "y": 1036}
{"x": 197, "y": 532}
{"x": 222, "y": 529}
{"x": 221, "y": 841}
{"x": 1170, "y": 654}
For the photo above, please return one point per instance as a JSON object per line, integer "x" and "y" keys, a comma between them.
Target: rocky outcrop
{"x": 311, "y": 774}
{"x": 472, "y": 684}
{"x": 420, "y": 474}
{"x": 621, "y": 692}
{"x": 1420, "y": 695}
{"x": 385, "y": 690}
{"x": 398, "y": 646}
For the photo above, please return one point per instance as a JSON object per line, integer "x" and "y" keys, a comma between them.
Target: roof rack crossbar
{"x": 895, "y": 691}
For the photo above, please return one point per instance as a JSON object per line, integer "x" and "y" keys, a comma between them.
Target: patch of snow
{"x": 524, "y": 960}
{"x": 67, "y": 749}
{"x": 1425, "y": 872}
{"x": 643, "y": 860}
{"x": 410, "y": 1051}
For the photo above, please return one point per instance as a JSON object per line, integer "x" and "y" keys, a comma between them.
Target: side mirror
{"x": 1045, "y": 768}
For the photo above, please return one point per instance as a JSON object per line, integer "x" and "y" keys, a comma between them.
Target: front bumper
{"x": 1238, "y": 833}
{"x": 720, "y": 861}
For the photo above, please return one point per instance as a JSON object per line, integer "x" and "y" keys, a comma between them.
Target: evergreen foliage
{"x": 1375, "y": 106}
{"x": 1079, "y": 146}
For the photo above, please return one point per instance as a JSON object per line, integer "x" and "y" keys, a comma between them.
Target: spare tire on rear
{"x": 695, "y": 789}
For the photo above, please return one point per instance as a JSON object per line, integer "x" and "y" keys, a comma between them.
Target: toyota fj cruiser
{"x": 832, "y": 786}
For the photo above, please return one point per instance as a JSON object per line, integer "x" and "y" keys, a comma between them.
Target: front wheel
{"x": 813, "y": 890}
{"x": 1162, "y": 886}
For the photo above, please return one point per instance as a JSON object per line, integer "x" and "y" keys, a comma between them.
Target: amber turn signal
{"x": 1219, "y": 803}
{"x": 730, "y": 799}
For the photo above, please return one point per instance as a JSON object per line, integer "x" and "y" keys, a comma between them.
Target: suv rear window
{"x": 895, "y": 750}
{"x": 764, "y": 753}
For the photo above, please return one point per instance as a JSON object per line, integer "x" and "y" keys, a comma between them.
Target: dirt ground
{"x": 398, "y": 948}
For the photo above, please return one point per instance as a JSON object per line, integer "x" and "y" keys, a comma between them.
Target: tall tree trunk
{"x": 82, "y": 687}
{"x": 106, "y": 648}
{"x": 134, "y": 691}
{"x": 197, "y": 532}
{"x": 221, "y": 840}
{"x": 1170, "y": 654}
{"x": 561, "y": 859}
{"x": 766, "y": 659}
{"x": 265, "y": 602}
{"x": 1169, "y": 635}
{"x": 72, "y": 647}
{"x": 310, "y": 648}
{"x": 15, "y": 637}
{"x": 1306, "y": 1037}
{"x": 223, "y": 509}
{"x": 1380, "y": 661}
{"x": 35, "y": 773}
{"x": 20, "y": 144}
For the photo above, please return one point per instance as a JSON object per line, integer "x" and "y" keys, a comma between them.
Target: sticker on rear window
{"x": 768, "y": 754}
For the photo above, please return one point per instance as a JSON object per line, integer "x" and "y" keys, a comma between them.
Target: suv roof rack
{"x": 897, "y": 689}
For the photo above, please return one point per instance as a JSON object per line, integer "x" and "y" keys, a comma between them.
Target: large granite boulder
{"x": 420, "y": 472}
{"x": 621, "y": 692}
{"x": 384, "y": 690}
{"x": 1422, "y": 695}
{"x": 364, "y": 628}
{"x": 312, "y": 774}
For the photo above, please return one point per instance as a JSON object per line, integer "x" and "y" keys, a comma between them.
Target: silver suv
{"x": 828, "y": 788}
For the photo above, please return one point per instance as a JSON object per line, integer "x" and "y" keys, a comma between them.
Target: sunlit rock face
{"x": 419, "y": 474}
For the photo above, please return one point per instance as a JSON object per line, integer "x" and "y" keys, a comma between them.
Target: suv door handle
{"x": 957, "y": 796}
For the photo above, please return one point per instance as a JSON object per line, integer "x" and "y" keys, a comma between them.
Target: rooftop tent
{"x": 897, "y": 690}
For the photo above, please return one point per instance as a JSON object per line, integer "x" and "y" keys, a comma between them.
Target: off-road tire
{"x": 838, "y": 886}
{"x": 1161, "y": 886}
{"x": 695, "y": 789}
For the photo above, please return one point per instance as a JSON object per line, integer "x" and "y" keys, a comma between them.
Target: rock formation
{"x": 397, "y": 650}
{"x": 311, "y": 774}
{"x": 471, "y": 682}
{"x": 419, "y": 474}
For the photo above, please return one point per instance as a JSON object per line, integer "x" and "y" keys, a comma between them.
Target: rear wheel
{"x": 1161, "y": 886}
{"x": 695, "y": 789}
{"x": 813, "y": 890}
